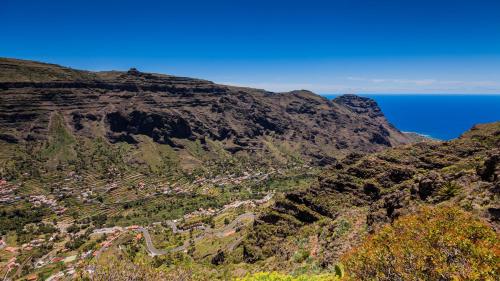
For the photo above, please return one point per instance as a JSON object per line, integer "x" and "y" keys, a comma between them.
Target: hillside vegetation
{"x": 442, "y": 243}
{"x": 313, "y": 228}
{"x": 435, "y": 243}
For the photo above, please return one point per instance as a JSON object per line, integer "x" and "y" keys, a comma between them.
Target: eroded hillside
{"x": 123, "y": 106}
{"x": 362, "y": 193}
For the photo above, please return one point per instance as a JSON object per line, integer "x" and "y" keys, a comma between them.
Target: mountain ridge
{"x": 169, "y": 109}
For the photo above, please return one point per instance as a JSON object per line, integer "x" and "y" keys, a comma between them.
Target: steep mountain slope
{"x": 362, "y": 193}
{"x": 122, "y": 106}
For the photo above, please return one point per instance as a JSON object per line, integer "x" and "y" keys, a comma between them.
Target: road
{"x": 149, "y": 244}
{"x": 225, "y": 231}
{"x": 232, "y": 225}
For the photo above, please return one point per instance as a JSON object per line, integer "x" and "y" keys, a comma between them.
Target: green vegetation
{"x": 16, "y": 218}
{"x": 275, "y": 276}
{"x": 60, "y": 144}
{"x": 80, "y": 184}
{"x": 441, "y": 243}
{"x": 448, "y": 190}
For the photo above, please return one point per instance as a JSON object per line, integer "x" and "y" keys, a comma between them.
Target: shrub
{"x": 300, "y": 255}
{"x": 275, "y": 276}
{"x": 448, "y": 190}
{"x": 440, "y": 243}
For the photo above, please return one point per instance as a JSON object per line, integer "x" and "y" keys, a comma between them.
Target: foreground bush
{"x": 439, "y": 243}
{"x": 274, "y": 276}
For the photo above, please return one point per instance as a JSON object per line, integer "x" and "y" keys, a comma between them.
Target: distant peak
{"x": 359, "y": 104}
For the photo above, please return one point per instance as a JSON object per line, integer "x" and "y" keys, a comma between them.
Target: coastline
{"x": 421, "y": 136}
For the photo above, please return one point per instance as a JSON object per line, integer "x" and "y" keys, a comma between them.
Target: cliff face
{"x": 124, "y": 105}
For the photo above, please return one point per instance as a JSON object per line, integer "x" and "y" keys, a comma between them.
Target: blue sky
{"x": 342, "y": 46}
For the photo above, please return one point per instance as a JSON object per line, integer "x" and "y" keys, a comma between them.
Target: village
{"x": 108, "y": 236}
{"x": 14, "y": 257}
{"x": 8, "y": 192}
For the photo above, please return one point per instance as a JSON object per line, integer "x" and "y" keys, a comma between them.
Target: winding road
{"x": 223, "y": 232}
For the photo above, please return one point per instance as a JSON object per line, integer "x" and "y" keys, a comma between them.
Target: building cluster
{"x": 86, "y": 196}
{"x": 174, "y": 189}
{"x": 7, "y": 192}
{"x": 111, "y": 186}
{"x": 42, "y": 200}
{"x": 33, "y": 244}
{"x": 63, "y": 191}
{"x": 11, "y": 264}
{"x": 112, "y": 233}
{"x": 200, "y": 213}
{"x": 249, "y": 203}
{"x": 223, "y": 180}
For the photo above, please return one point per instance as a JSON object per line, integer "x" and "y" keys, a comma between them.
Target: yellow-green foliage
{"x": 440, "y": 243}
{"x": 275, "y": 276}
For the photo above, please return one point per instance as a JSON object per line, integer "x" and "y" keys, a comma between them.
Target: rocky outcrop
{"x": 490, "y": 170}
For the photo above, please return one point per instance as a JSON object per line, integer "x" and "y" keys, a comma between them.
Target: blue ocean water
{"x": 442, "y": 117}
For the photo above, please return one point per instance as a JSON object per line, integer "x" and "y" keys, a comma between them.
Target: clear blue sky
{"x": 337, "y": 46}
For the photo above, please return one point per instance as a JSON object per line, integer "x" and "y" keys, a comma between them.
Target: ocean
{"x": 441, "y": 117}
